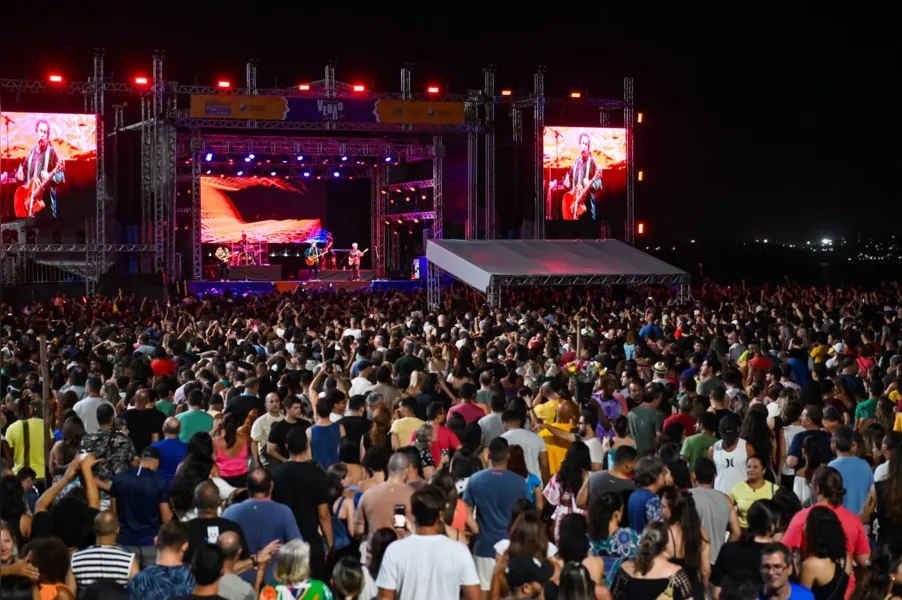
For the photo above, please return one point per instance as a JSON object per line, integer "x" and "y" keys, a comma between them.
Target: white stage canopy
{"x": 491, "y": 264}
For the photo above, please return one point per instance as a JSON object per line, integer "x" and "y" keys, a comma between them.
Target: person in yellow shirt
{"x": 754, "y": 488}
{"x": 546, "y": 403}
{"x": 565, "y": 421}
{"x": 26, "y": 438}
{"x": 406, "y": 423}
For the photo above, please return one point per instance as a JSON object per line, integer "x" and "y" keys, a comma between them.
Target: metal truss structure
{"x": 171, "y": 137}
{"x": 498, "y": 283}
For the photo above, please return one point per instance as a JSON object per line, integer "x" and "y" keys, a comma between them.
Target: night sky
{"x": 755, "y": 126}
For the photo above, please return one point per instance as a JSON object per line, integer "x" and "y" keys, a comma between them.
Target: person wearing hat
{"x": 660, "y": 370}
{"x": 140, "y": 498}
{"x": 526, "y": 576}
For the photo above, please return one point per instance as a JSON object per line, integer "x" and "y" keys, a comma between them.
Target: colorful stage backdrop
{"x": 563, "y": 146}
{"x": 278, "y": 108}
{"x": 277, "y": 210}
{"x": 73, "y": 137}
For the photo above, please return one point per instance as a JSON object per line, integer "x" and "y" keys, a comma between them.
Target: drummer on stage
{"x": 312, "y": 254}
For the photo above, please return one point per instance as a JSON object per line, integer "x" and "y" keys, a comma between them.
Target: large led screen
{"x": 280, "y": 211}
{"x": 584, "y": 167}
{"x": 48, "y": 167}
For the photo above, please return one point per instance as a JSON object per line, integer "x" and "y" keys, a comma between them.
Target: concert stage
{"x": 265, "y": 287}
{"x": 255, "y": 273}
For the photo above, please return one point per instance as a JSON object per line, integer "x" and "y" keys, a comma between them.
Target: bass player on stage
{"x": 582, "y": 175}
{"x": 42, "y": 163}
{"x": 354, "y": 257}
{"x": 312, "y": 254}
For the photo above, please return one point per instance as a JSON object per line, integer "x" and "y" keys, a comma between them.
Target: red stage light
{"x": 140, "y": 80}
{"x": 359, "y": 88}
{"x": 432, "y": 89}
{"x": 304, "y": 87}
{"x": 576, "y": 95}
{"x": 506, "y": 92}
{"x": 640, "y": 228}
{"x": 224, "y": 84}
{"x": 641, "y": 175}
{"x": 56, "y": 79}
{"x": 639, "y": 118}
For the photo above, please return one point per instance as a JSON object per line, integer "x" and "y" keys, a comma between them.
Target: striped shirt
{"x": 102, "y": 562}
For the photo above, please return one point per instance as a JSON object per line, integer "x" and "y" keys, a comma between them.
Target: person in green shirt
{"x": 868, "y": 408}
{"x": 696, "y": 446}
{"x": 165, "y": 404}
{"x": 195, "y": 419}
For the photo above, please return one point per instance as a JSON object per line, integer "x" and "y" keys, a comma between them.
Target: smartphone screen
{"x": 400, "y": 520}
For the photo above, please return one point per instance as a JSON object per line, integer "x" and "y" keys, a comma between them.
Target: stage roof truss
{"x": 405, "y": 186}
{"x": 185, "y": 121}
{"x": 562, "y": 280}
{"x": 410, "y": 216}
{"x": 310, "y": 146}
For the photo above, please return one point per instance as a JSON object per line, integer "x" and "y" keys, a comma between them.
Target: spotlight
{"x": 388, "y": 159}
{"x": 336, "y": 174}
{"x": 247, "y": 159}
{"x": 251, "y": 156}
{"x": 272, "y": 173}
{"x": 56, "y": 78}
{"x": 209, "y": 171}
{"x": 140, "y": 80}
{"x": 240, "y": 173}
{"x": 306, "y": 173}
{"x": 300, "y": 158}
{"x": 344, "y": 159}
{"x": 209, "y": 156}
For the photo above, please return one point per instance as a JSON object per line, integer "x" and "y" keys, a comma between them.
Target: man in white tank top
{"x": 730, "y": 454}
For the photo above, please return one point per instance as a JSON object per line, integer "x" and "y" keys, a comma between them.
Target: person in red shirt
{"x": 828, "y": 485}
{"x": 443, "y": 439}
{"x": 162, "y": 365}
{"x": 683, "y": 417}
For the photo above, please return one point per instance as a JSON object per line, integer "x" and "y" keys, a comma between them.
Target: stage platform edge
{"x": 265, "y": 287}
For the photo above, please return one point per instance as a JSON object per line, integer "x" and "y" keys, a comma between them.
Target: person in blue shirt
{"x": 172, "y": 449}
{"x": 644, "y": 504}
{"x": 776, "y": 568}
{"x": 857, "y": 476}
{"x": 492, "y": 493}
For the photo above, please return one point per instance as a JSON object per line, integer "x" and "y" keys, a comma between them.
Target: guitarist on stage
{"x": 582, "y": 172}
{"x": 354, "y": 257}
{"x": 40, "y": 162}
{"x": 312, "y": 254}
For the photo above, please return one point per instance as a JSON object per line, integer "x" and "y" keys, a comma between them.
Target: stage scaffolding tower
{"x": 197, "y": 255}
{"x": 629, "y": 115}
{"x": 491, "y": 229}
{"x": 472, "y": 116}
{"x": 433, "y": 273}
{"x": 538, "y": 225}
{"x": 97, "y": 260}
{"x": 377, "y": 219}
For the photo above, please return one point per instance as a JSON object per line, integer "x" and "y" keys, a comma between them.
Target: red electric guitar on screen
{"x": 28, "y": 199}
{"x": 572, "y": 205}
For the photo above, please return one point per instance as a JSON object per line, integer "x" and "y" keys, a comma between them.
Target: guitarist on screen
{"x": 41, "y": 163}
{"x": 581, "y": 174}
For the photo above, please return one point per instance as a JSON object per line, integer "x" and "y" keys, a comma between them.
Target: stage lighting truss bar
{"x": 77, "y": 248}
{"x": 26, "y": 86}
{"x": 325, "y": 126}
{"x": 410, "y": 216}
{"x": 570, "y": 280}
{"x": 406, "y": 185}
{"x": 316, "y": 94}
{"x": 314, "y": 147}
{"x": 603, "y": 104}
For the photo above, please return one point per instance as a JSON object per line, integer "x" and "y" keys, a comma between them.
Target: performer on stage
{"x": 328, "y": 255}
{"x": 313, "y": 255}
{"x": 354, "y": 258}
{"x": 583, "y": 174}
{"x": 223, "y": 255}
{"x": 42, "y": 163}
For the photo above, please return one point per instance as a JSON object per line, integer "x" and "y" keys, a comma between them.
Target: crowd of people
{"x": 576, "y": 444}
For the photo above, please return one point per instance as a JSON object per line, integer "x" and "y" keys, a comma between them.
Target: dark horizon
{"x": 776, "y": 127}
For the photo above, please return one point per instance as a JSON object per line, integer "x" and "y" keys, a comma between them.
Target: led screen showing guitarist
{"x": 583, "y": 181}
{"x": 40, "y": 172}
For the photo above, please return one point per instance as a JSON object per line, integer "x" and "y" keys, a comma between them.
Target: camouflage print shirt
{"x": 115, "y": 448}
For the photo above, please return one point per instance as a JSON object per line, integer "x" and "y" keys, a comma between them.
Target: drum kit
{"x": 245, "y": 253}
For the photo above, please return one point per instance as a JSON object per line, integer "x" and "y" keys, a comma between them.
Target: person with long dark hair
{"x": 564, "y": 486}
{"x": 687, "y": 541}
{"x": 651, "y": 574}
{"x": 607, "y": 539}
{"x": 231, "y": 451}
{"x": 883, "y": 580}
{"x": 763, "y": 526}
{"x": 828, "y": 565}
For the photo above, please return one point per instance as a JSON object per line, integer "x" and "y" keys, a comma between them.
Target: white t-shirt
{"x": 881, "y": 472}
{"x": 596, "y": 451}
{"x": 532, "y": 445}
{"x": 86, "y": 409}
{"x": 410, "y": 568}
{"x": 789, "y": 432}
{"x": 360, "y": 386}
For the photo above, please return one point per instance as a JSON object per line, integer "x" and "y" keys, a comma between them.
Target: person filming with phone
{"x": 387, "y": 504}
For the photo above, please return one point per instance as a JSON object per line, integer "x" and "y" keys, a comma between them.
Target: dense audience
{"x": 572, "y": 445}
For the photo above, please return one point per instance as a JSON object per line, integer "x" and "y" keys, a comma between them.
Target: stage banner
{"x": 277, "y": 108}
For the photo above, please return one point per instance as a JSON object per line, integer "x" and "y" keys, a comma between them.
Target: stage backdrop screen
{"x": 583, "y": 167}
{"x": 280, "y": 211}
{"x": 61, "y": 148}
